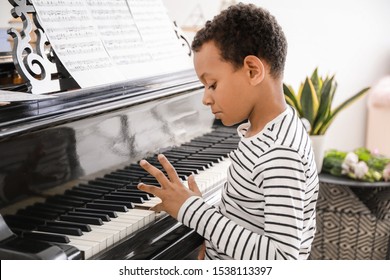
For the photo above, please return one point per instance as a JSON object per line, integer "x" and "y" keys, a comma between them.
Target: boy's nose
{"x": 207, "y": 100}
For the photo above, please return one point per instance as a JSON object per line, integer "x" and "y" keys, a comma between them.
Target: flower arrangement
{"x": 360, "y": 164}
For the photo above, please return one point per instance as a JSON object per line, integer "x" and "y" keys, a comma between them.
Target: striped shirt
{"x": 267, "y": 208}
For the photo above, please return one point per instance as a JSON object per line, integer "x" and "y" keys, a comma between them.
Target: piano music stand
{"x": 37, "y": 65}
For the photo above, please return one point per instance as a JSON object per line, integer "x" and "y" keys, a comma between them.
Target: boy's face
{"x": 226, "y": 89}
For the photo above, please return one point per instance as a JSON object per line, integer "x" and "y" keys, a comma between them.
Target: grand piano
{"x": 69, "y": 167}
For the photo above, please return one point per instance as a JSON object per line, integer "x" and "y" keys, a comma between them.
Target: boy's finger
{"x": 193, "y": 186}
{"x": 156, "y": 191}
{"x": 168, "y": 167}
{"x": 157, "y": 208}
{"x": 155, "y": 172}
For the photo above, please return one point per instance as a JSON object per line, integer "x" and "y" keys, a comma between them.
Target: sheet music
{"x": 107, "y": 41}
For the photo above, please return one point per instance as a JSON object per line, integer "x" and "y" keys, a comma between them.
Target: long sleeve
{"x": 283, "y": 216}
{"x": 225, "y": 235}
{"x": 267, "y": 208}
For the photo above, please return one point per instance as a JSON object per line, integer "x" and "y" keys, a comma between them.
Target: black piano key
{"x": 215, "y": 159}
{"x": 45, "y": 209}
{"x": 37, "y": 214}
{"x": 190, "y": 165}
{"x": 81, "y": 226}
{"x": 197, "y": 144}
{"x": 46, "y": 237}
{"x": 94, "y": 185}
{"x": 52, "y": 206}
{"x": 77, "y": 198}
{"x": 106, "y": 184}
{"x": 91, "y": 188}
{"x": 174, "y": 157}
{"x": 137, "y": 169}
{"x": 150, "y": 180}
{"x": 132, "y": 186}
{"x": 127, "y": 204}
{"x": 111, "y": 207}
{"x": 197, "y": 161}
{"x": 117, "y": 175}
{"x": 213, "y": 152}
{"x": 114, "y": 182}
{"x": 77, "y": 219}
{"x": 64, "y": 201}
{"x": 132, "y": 192}
{"x": 33, "y": 221}
{"x": 111, "y": 214}
{"x": 184, "y": 173}
{"x": 103, "y": 217}
{"x": 61, "y": 230}
{"x": 226, "y": 146}
{"x": 18, "y": 225}
{"x": 184, "y": 150}
{"x": 127, "y": 177}
{"x": 132, "y": 198}
{"x": 80, "y": 193}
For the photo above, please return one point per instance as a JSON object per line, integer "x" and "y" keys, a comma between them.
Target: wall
{"x": 5, "y": 14}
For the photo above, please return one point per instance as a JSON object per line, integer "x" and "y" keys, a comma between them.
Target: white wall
{"x": 348, "y": 38}
{"x": 5, "y": 14}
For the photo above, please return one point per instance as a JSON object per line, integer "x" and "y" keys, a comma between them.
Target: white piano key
{"x": 121, "y": 229}
{"x": 126, "y": 225}
{"x": 101, "y": 238}
{"x": 136, "y": 221}
{"x": 114, "y": 233}
{"x": 149, "y": 203}
{"x": 93, "y": 246}
{"x": 87, "y": 250}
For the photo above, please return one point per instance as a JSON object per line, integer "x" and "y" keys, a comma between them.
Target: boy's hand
{"x": 202, "y": 251}
{"x": 171, "y": 191}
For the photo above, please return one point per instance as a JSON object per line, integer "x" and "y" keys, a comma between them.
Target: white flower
{"x": 351, "y": 159}
{"x": 386, "y": 172}
{"x": 361, "y": 169}
{"x": 346, "y": 168}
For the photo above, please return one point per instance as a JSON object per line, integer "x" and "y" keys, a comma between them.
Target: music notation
{"x": 102, "y": 42}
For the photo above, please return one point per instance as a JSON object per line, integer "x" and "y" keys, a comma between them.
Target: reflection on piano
{"x": 69, "y": 169}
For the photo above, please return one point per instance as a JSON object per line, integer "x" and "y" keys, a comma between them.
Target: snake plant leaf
{"x": 309, "y": 101}
{"x": 317, "y": 82}
{"x": 291, "y": 98}
{"x": 325, "y": 101}
{"x": 341, "y": 107}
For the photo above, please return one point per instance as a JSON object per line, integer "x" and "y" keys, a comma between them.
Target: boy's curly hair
{"x": 242, "y": 30}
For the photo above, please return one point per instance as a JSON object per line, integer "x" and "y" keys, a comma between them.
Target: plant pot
{"x": 318, "y": 144}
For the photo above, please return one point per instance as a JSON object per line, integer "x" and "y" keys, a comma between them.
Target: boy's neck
{"x": 270, "y": 104}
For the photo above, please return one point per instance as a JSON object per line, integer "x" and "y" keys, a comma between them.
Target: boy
{"x": 267, "y": 209}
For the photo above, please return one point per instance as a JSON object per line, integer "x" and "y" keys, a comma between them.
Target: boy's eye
{"x": 213, "y": 86}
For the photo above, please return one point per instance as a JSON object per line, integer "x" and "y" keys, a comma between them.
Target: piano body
{"x": 69, "y": 168}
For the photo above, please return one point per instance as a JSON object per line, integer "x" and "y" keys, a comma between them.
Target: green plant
{"x": 313, "y": 101}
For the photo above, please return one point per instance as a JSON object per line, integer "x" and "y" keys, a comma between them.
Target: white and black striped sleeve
{"x": 280, "y": 175}
{"x": 225, "y": 235}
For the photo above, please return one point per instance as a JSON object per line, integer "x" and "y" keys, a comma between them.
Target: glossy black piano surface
{"x": 71, "y": 162}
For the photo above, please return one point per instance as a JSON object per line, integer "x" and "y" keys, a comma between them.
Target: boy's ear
{"x": 255, "y": 69}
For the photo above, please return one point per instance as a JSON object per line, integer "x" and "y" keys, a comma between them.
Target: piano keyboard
{"x": 95, "y": 215}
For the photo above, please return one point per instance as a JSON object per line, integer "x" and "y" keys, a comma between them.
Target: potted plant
{"x": 313, "y": 103}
